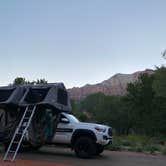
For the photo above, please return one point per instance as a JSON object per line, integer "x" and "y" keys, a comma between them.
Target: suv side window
{"x": 64, "y": 119}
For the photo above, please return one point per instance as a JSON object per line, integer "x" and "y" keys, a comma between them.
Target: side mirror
{"x": 64, "y": 120}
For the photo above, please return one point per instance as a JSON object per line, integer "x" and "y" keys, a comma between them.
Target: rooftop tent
{"x": 52, "y": 95}
{"x": 10, "y": 95}
{"x": 50, "y": 99}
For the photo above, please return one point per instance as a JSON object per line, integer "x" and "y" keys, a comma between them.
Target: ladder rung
{"x": 19, "y": 133}
{"x": 26, "y": 118}
{"x": 15, "y": 142}
{"x": 11, "y": 151}
{"x": 21, "y": 130}
{"x": 29, "y": 110}
{"x": 22, "y": 127}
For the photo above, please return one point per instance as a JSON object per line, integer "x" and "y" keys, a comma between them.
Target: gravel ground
{"x": 65, "y": 157}
{"x": 31, "y": 163}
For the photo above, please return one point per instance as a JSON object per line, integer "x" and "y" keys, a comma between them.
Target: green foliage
{"x": 159, "y": 83}
{"x": 136, "y": 149}
{"x": 136, "y": 143}
{"x": 133, "y": 140}
{"x": 159, "y": 140}
{"x": 77, "y": 112}
{"x": 108, "y": 110}
{"x": 147, "y": 103}
{"x": 152, "y": 148}
{"x": 19, "y": 81}
{"x": 140, "y": 104}
{"x": 138, "y": 139}
{"x": 164, "y": 151}
{"x": 41, "y": 81}
{"x": 116, "y": 145}
{"x": 23, "y": 81}
{"x": 142, "y": 111}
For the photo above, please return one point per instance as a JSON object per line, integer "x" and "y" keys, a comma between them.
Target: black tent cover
{"x": 52, "y": 95}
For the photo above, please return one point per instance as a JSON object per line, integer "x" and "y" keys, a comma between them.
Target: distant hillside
{"x": 116, "y": 85}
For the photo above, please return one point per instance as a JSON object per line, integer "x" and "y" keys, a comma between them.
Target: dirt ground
{"x": 31, "y": 163}
{"x": 49, "y": 156}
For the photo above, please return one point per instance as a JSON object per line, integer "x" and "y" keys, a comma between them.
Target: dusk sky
{"x": 79, "y": 41}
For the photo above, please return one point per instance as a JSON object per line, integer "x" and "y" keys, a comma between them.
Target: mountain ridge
{"x": 115, "y": 85}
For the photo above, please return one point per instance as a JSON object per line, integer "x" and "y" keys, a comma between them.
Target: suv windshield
{"x": 72, "y": 118}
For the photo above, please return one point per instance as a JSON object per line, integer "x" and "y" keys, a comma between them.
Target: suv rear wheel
{"x": 85, "y": 147}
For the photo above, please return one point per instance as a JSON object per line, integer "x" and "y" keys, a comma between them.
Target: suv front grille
{"x": 110, "y": 131}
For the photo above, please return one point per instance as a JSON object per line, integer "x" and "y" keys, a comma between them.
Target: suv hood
{"x": 93, "y": 125}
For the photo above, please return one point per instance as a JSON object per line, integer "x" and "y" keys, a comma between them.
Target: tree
{"x": 41, "y": 81}
{"x": 142, "y": 110}
{"x": 159, "y": 84}
{"x": 140, "y": 99}
{"x": 78, "y": 112}
{"x": 22, "y": 81}
{"x": 19, "y": 81}
{"x": 109, "y": 110}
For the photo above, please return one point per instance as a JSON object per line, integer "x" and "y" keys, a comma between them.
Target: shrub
{"x": 159, "y": 140}
{"x": 164, "y": 151}
{"x": 126, "y": 143}
{"x": 137, "y": 140}
{"x": 136, "y": 149}
{"x": 114, "y": 147}
{"x": 152, "y": 148}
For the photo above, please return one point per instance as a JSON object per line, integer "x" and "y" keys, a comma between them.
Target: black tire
{"x": 85, "y": 147}
{"x": 99, "y": 149}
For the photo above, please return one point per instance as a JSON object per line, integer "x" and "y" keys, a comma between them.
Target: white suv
{"x": 87, "y": 139}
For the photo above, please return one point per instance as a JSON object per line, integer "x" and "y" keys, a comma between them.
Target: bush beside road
{"x": 137, "y": 143}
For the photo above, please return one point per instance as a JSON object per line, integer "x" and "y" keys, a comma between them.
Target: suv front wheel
{"x": 85, "y": 147}
{"x": 99, "y": 149}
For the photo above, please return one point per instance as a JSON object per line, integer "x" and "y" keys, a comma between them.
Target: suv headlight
{"x": 100, "y": 129}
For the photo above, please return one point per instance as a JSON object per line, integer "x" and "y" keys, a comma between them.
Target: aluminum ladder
{"x": 19, "y": 134}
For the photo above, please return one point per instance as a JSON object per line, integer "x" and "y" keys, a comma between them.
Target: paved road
{"x": 108, "y": 158}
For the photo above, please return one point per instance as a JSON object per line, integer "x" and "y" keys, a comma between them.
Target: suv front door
{"x": 64, "y": 131}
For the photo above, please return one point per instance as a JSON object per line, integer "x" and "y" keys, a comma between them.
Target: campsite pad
{"x": 31, "y": 163}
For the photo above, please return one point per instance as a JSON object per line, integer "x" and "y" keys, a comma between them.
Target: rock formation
{"x": 116, "y": 85}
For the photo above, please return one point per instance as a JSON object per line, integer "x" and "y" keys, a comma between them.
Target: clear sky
{"x": 79, "y": 41}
